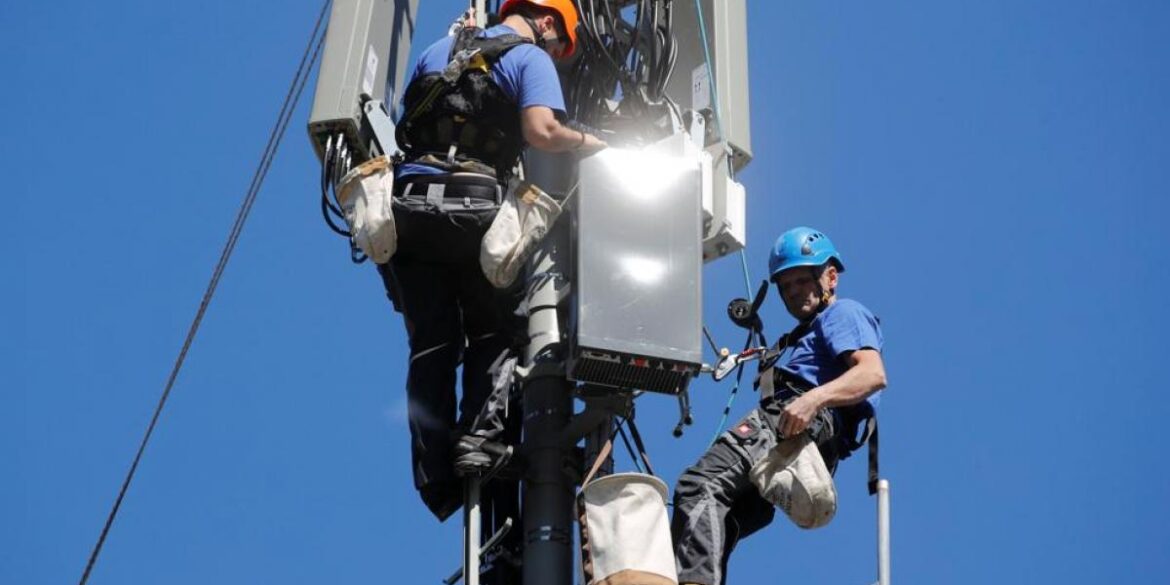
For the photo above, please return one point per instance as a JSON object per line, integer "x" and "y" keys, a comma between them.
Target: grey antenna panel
{"x": 367, "y": 48}
{"x": 726, "y": 24}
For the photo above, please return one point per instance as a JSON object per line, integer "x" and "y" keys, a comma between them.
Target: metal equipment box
{"x": 367, "y": 48}
{"x": 636, "y": 318}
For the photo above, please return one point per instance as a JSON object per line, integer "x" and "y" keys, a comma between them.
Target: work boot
{"x": 475, "y": 456}
{"x": 442, "y": 499}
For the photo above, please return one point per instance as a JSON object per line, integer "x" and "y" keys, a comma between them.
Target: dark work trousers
{"x": 716, "y": 504}
{"x": 453, "y": 316}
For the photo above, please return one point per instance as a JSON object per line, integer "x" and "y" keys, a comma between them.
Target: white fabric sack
{"x": 793, "y": 477}
{"x": 625, "y": 534}
{"x": 524, "y": 218}
{"x": 366, "y": 198}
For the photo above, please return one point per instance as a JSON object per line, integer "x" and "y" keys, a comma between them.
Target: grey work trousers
{"x": 716, "y": 505}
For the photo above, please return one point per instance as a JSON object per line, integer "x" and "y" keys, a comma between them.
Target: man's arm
{"x": 542, "y": 130}
{"x": 866, "y": 375}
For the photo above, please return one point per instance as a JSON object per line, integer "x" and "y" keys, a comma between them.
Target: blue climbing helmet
{"x": 802, "y": 246}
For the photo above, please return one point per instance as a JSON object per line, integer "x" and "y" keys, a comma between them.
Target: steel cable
{"x": 296, "y": 88}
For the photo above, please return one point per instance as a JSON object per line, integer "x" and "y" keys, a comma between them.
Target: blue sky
{"x": 995, "y": 174}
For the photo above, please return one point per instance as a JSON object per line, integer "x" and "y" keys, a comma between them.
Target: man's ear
{"x": 830, "y": 276}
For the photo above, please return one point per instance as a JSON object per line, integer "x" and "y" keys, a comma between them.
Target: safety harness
{"x": 459, "y": 119}
{"x": 858, "y": 422}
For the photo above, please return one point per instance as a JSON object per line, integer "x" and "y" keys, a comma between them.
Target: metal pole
{"x": 480, "y": 13}
{"x": 471, "y": 530}
{"x": 883, "y": 502}
{"x": 548, "y": 406}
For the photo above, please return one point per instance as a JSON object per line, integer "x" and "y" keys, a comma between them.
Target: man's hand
{"x": 543, "y": 131}
{"x": 591, "y": 144}
{"x": 798, "y": 414}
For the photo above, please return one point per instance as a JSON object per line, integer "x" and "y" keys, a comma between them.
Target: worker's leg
{"x": 490, "y": 325}
{"x": 427, "y": 297}
{"x": 715, "y": 503}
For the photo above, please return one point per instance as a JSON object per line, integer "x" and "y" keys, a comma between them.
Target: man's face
{"x": 556, "y": 41}
{"x": 798, "y": 288}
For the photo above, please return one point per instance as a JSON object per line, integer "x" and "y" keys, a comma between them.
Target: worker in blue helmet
{"x": 818, "y": 387}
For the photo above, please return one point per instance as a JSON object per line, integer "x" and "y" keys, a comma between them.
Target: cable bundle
{"x": 622, "y": 60}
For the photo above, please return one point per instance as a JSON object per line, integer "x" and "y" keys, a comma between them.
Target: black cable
{"x": 329, "y": 211}
{"x": 629, "y": 450}
{"x": 291, "y": 98}
{"x": 711, "y": 340}
{"x": 640, "y": 445}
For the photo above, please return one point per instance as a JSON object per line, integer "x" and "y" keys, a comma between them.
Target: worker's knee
{"x": 689, "y": 486}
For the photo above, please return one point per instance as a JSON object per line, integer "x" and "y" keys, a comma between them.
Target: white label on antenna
{"x": 371, "y": 71}
{"x": 700, "y": 88}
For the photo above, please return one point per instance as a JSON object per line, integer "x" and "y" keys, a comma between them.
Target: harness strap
{"x": 871, "y": 431}
{"x": 460, "y": 60}
{"x": 786, "y": 341}
{"x": 435, "y": 193}
{"x": 606, "y": 449}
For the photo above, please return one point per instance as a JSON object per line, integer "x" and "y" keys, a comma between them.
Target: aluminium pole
{"x": 883, "y": 502}
{"x": 471, "y": 530}
{"x": 472, "y": 517}
{"x": 548, "y": 406}
{"x": 481, "y": 16}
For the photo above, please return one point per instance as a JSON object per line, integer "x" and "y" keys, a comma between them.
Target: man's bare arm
{"x": 542, "y": 130}
{"x": 866, "y": 375}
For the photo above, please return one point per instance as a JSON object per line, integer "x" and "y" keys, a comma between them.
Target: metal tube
{"x": 481, "y": 16}
{"x": 471, "y": 531}
{"x": 883, "y": 502}
{"x": 548, "y": 406}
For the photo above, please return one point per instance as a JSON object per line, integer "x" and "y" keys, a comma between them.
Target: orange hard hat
{"x": 564, "y": 8}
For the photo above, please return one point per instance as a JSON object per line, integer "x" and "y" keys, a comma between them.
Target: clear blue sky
{"x": 996, "y": 174}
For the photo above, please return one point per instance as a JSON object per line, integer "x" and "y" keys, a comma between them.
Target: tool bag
{"x": 793, "y": 477}
{"x": 525, "y": 216}
{"x": 625, "y": 533}
{"x": 365, "y": 195}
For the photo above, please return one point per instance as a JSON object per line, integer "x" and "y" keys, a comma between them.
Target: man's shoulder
{"x": 849, "y": 325}
{"x": 848, "y": 309}
{"x": 848, "y": 305}
{"x": 442, "y": 44}
{"x": 434, "y": 57}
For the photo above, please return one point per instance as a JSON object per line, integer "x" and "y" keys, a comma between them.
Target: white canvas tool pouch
{"x": 794, "y": 478}
{"x": 625, "y": 534}
{"x": 365, "y": 195}
{"x": 524, "y": 218}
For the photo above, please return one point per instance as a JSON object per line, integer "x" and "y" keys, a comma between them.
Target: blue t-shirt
{"x": 525, "y": 73}
{"x": 846, "y": 325}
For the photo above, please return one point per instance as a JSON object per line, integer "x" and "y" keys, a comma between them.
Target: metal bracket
{"x": 598, "y": 409}
{"x": 381, "y": 127}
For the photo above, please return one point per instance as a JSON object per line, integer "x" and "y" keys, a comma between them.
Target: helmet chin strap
{"x": 536, "y": 36}
{"x": 825, "y": 295}
{"x": 822, "y": 294}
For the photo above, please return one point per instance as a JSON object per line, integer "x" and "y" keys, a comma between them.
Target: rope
{"x": 710, "y": 73}
{"x": 731, "y": 397}
{"x": 747, "y": 278}
{"x": 296, "y": 88}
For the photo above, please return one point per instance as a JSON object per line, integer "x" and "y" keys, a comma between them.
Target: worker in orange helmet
{"x": 476, "y": 99}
